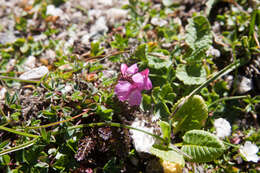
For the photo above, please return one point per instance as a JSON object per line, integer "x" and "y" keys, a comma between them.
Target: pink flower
{"x": 131, "y": 84}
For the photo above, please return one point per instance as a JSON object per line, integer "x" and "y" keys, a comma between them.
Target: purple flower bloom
{"x": 131, "y": 84}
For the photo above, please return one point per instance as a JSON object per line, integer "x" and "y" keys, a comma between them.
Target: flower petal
{"x": 147, "y": 82}
{"x": 138, "y": 79}
{"x": 135, "y": 97}
{"x": 253, "y": 158}
{"x": 122, "y": 90}
{"x": 123, "y": 69}
{"x": 251, "y": 148}
{"x": 132, "y": 69}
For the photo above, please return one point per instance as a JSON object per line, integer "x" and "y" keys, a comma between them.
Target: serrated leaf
{"x": 191, "y": 75}
{"x": 191, "y": 115}
{"x": 198, "y": 33}
{"x": 168, "y": 155}
{"x": 202, "y": 146}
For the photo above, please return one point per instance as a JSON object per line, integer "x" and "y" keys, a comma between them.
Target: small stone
{"x": 2, "y": 93}
{"x": 85, "y": 39}
{"x": 158, "y": 21}
{"x": 105, "y": 2}
{"x": 10, "y": 65}
{"x": 53, "y": 11}
{"x": 50, "y": 54}
{"x": 40, "y": 37}
{"x": 66, "y": 89}
{"x": 99, "y": 27}
{"x": 29, "y": 63}
{"x": 115, "y": 15}
{"x": 35, "y": 73}
{"x": 7, "y": 38}
{"x": 244, "y": 85}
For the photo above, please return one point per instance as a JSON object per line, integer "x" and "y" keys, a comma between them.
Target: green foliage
{"x": 95, "y": 49}
{"x": 198, "y": 33}
{"x": 191, "y": 74}
{"x": 158, "y": 63}
{"x": 111, "y": 166}
{"x": 166, "y": 130}
{"x": 202, "y": 146}
{"x": 168, "y": 155}
{"x": 65, "y": 124}
{"x": 191, "y": 114}
{"x": 162, "y": 96}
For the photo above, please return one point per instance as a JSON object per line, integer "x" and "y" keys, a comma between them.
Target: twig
{"x": 104, "y": 56}
{"x": 56, "y": 123}
{"x": 158, "y": 55}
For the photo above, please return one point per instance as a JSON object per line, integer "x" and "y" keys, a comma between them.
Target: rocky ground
{"x": 61, "y": 58}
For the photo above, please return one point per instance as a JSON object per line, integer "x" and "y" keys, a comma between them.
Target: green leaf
{"x": 166, "y": 130}
{"x": 76, "y": 96}
{"x": 164, "y": 94}
{"x": 168, "y": 155}
{"x": 146, "y": 102}
{"x": 191, "y": 75}
{"x": 104, "y": 113}
{"x": 202, "y": 146}
{"x": 158, "y": 63}
{"x": 198, "y": 32}
{"x": 5, "y": 160}
{"x": 95, "y": 49}
{"x": 192, "y": 114}
{"x": 140, "y": 52}
{"x": 162, "y": 110}
{"x": 111, "y": 166}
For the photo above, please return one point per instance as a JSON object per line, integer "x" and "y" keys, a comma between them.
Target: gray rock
{"x": 7, "y": 37}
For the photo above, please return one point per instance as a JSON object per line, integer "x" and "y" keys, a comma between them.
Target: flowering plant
{"x": 131, "y": 84}
{"x": 249, "y": 152}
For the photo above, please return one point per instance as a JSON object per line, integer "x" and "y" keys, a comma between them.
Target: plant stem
{"x": 215, "y": 76}
{"x": 56, "y": 123}
{"x": 231, "y": 145}
{"x": 228, "y": 98}
{"x": 18, "y": 79}
{"x": 19, "y": 147}
{"x": 112, "y": 124}
{"x": 18, "y": 132}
